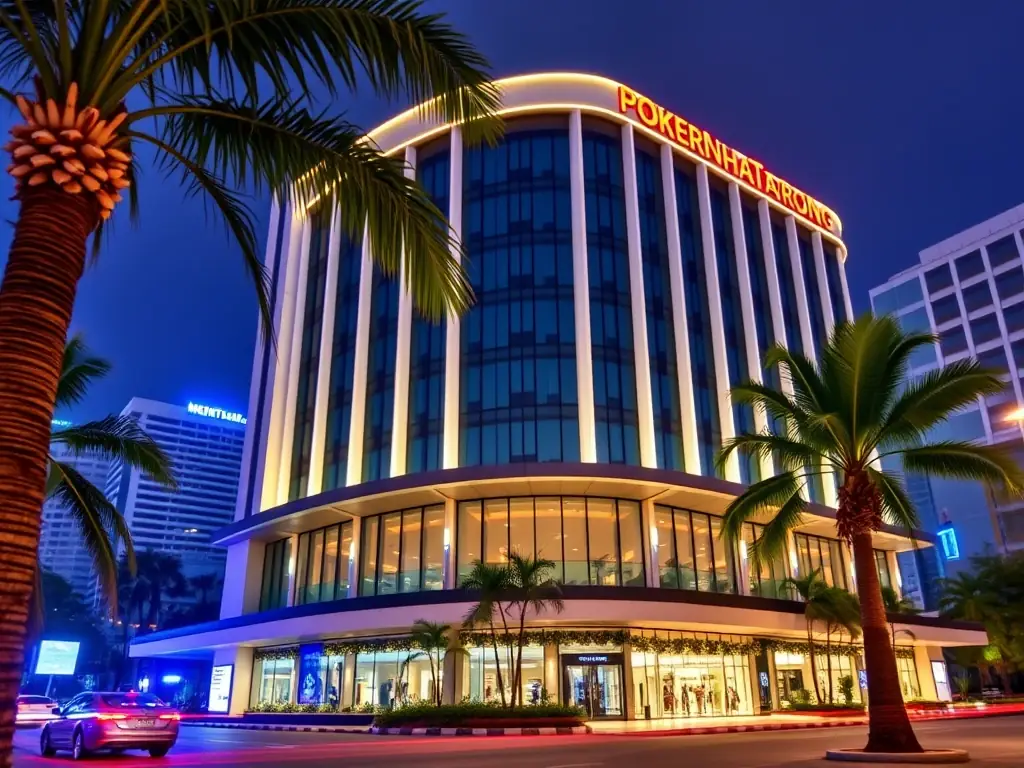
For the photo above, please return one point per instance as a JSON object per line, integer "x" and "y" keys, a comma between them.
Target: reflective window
{"x": 380, "y": 377}
{"x": 425, "y": 435}
{"x": 833, "y": 268}
{"x": 766, "y": 578}
{"x": 343, "y": 350}
{"x": 917, "y": 322}
{"x": 759, "y": 293}
{"x": 994, "y": 359}
{"x": 953, "y": 341}
{"x": 274, "y": 588}
{"x": 1001, "y": 410}
{"x": 403, "y": 551}
{"x": 323, "y": 561}
{"x": 695, "y": 285}
{"x": 691, "y": 552}
{"x": 985, "y": 328}
{"x": 1010, "y": 283}
{"x": 1002, "y": 251}
{"x": 272, "y": 681}
{"x": 611, "y": 326}
{"x": 817, "y": 553}
{"x": 732, "y": 321}
{"x": 814, "y": 309}
{"x": 970, "y": 265}
{"x": 391, "y": 679}
{"x": 1013, "y": 316}
{"x": 518, "y": 388}
{"x": 938, "y": 279}
{"x": 1017, "y": 348}
{"x": 963, "y": 426}
{"x": 309, "y": 354}
{"x": 977, "y": 296}
{"x": 591, "y": 541}
{"x": 660, "y": 334}
{"x": 945, "y": 309}
{"x": 882, "y": 565}
{"x": 902, "y": 295}
{"x": 787, "y": 287}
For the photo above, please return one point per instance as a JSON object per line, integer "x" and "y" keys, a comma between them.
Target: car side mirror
{"x": 55, "y": 711}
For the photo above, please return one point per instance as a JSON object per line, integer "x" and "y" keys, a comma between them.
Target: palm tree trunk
{"x": 889, "y": 728}
{"x": 45, "y": 262}
{"x": 828, "y": 662}
{"x": 508, "y": 652}
{"x": 518, "y": 683}
{"x": 814, "y": 661}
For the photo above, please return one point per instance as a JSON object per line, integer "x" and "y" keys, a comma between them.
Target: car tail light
{"x": 110, "y": 717}
{"x": 174, "y": 716}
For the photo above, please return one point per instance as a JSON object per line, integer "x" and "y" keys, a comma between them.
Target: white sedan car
{"x": 33, "y": 710}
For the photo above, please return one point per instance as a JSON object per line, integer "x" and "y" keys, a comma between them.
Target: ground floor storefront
{"x": 610, "y": 673}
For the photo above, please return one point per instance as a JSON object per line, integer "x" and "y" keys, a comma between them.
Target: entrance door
{"x": 790, "y": 681}
{"x": 595, "y": 687}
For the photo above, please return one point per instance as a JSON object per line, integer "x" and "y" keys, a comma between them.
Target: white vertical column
{"x": 807, "y": 338}
{"x": 400, "y": 413}
{"x": 260, "y": 392}
{"x": 288, "y": 276}
{"x": 638, "y": 304}
{"x": 449, "y": 573}
{"x": 354, "y": 556}
{"x": 753, "y": 350}
{"x": 581, "y": 291}
{"x": 294, "y": 358}
{"x": 842, "y": 255}
{"x": 326, "y": 357}
{"x": 680, "y": 322}
{"x": 453, "y": 335}
{"x": 357, "y": 423}
{"x": 728, "y": 428}
{"x": 823, "y": 293}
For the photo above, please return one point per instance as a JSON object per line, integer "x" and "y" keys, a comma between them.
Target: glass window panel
{"x": 724, "y": 566}
{"x": 390, "y": 541}
{"x": 985, "y": 328}
{"x": 1002, "y": 251}
{"x": 702, "y": 552}
{"x": 433, "y": 548}
{"x": 803, "y": 555}
{"x": 684, "y": 550}
{"x": 604, "y": 545}
{"x": 1013, "y": 316}
{"x": 1018, "y": 353}
{"x": 574, "y": 533}
{"x": 825, "y": 553}
{"x": 977, "y": 296}
{"x": 938, "y": 279}
{"x": 469, "y": 536}
{"x": 364, "y": 693}
{"x": 945, "y": 309}
{"x": 302, "y": 569}
{"x": 330, "y": 570}
{"x": 520, "y": 512}
{"x": 631, "y": 544}
{"x": 316, "y": 560}
{"x": 838, "y": 564}
{"x": 1010, "y": 283}
{"x": 549, "y": 533}
{"x": 496, "y": 531}
{"x": 345, "y": 558}
{"x": 994, "y": 359}
{"x": 882, "y": 564}
{"x": 953, "y": 341}
{"x": 667, "y": 564}
{"x": 409, "y": 580}
{"x": 897, "y": 297}
{"x": 266, "y": 585}
{"x": 282, "y": 571}
{"x": 368, "y": 556}
{"x": 970, "y": 265}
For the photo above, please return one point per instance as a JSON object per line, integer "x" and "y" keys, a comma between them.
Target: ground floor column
{"x": 240, "y": 659}
{"x": 348, "y": 682}
{"x": 933, "y": 678}
{"x": 551, "y": 672}
{"x": 453, "y": 671}
{"x": 628, "y": 689}
{"x": 755, "y": 689}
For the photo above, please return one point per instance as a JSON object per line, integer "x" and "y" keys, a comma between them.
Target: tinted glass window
{"x": 1017, "y": 348}
{"x": 970, "y": 265}
{"x": 1014, "y": 318}
{"x": 945, "y": 309}
{"x": 994, "y": 359}
{"x": 953, "y": 341}
{"x": 1010, "y": 283}
{"x": 963, "y": 426}
{"x": 1002, "y": 251}
{"x": 898, "y": 296}
{"x": 985, "y": 328}
{"x": 977, "y": 296}
{"x": 939, "y": 278}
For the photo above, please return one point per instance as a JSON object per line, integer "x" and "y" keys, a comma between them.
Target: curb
{"x": 575, "y": 731}
{"x": 268, "y": 727}
{"x": 717, "y": 729}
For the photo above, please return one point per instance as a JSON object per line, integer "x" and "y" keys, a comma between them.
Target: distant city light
{"x": 191, "y": 530}
{"x": 170, "y": 679}
{"x": 215, "y": 413}
{"x": 61, "y": 423}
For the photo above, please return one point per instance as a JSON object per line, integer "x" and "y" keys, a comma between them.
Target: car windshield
{"x": 131, "y": 700}
{"x": 33, "y": 700}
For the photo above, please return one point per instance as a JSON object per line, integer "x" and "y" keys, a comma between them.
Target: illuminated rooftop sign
{"x": 215, "y": 413}
{"x": 744, "y": 169}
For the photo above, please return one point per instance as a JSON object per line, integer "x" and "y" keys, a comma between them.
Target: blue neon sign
{"x": 215, "y": 413}
{"x": 950, "y": 547}
{"x": 60, "y": 423}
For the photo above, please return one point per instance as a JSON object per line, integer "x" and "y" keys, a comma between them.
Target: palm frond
{"x": 958, "y": 460}
{"x": 897, "y": 508}
{"x": 120, "y": 438}
{"x": 791, "y": 454}
{"x": 79, "y": 369}
{"x": 766, "y": 495}
{"x": 773, "y": 542}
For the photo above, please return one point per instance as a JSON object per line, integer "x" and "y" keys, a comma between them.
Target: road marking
{"x": 573, "y": 765}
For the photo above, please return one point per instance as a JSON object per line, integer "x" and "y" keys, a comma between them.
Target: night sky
{"x": 905, "y": 122}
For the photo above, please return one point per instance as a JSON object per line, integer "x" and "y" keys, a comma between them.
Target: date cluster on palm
{"x": 71, "y": 148}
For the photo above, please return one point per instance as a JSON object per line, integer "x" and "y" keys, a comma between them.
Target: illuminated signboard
{"x": 947, "y": 538}
{"x": 741, "y": 167}
{"x": 220, "y": 689}
{"x": 57, "y": 657}
{"x": 215, "y": 413}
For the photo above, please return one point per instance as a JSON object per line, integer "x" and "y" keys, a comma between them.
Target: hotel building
{"x": 628, "y": 268}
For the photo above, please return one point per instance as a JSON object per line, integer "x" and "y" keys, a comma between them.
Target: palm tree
{"x": 435, "y": 642}
{"x": 808, "y": 589}
{"x": 224, "y": 95}
{"x": 532, "y": 589}
{"x": 896, "y": 604}
{"x": 845, "y": 415}
{"x": 492, "y": 583}
{"x": 118, "y": 438}
{"x": 839, "y": 611}
{"x": 203, "y": 585}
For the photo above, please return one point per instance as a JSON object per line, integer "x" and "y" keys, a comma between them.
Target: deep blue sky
{"x": 903, "y": 117}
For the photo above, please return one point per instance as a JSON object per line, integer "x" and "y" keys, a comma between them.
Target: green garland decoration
{"x": 275, "y": 654}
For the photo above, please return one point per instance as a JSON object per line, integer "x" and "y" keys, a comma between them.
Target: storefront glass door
{"x": 596, "y": 688}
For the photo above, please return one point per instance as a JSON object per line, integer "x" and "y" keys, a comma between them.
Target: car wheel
{"x": 78, "y": 750}
{"x": 45, "y": 744}
{"x": 158, "y": 751}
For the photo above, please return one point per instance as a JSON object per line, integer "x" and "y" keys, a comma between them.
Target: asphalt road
{"x": 992, "y": 742}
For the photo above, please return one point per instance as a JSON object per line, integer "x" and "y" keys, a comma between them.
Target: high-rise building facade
{"x": 60, "y": 539}
{"x": 628, "y": 268}
{"x": 205, "y": 446}
{"x": 969, "y": 291}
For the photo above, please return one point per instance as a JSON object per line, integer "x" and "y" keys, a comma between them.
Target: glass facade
{"x": 660, "y": 334}
{"x": 343, "y": 351}
{"x": 682, "y": 685}
{"x": 787, "y": 287}
{"x": 590, "y": 540}
{"x": 692, "y": 553}
{"x": 518, "y": 377}
{"x": 322, "y": 566}
{"x": 309, "y": 356}
{"x": 759, "y": 294}
{"x": 611, "y": 326}
{"x": 765, "y": 578}
{"x": 698, "y": 320}
{"x": 813, "y": 294}
{"x": 392, "y": 678}
{"x": 380, "y": 377}
{"x": 402, "y": 552}
{"x": 827, "y": 556}
{"x": 274, "y": 587}
{"x": 273, "y": 682}
{"x": 833, "y": 268}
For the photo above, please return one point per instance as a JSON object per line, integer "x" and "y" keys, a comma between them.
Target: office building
{"x": 628, "y": 267}
{"x": 969, "y": 291}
